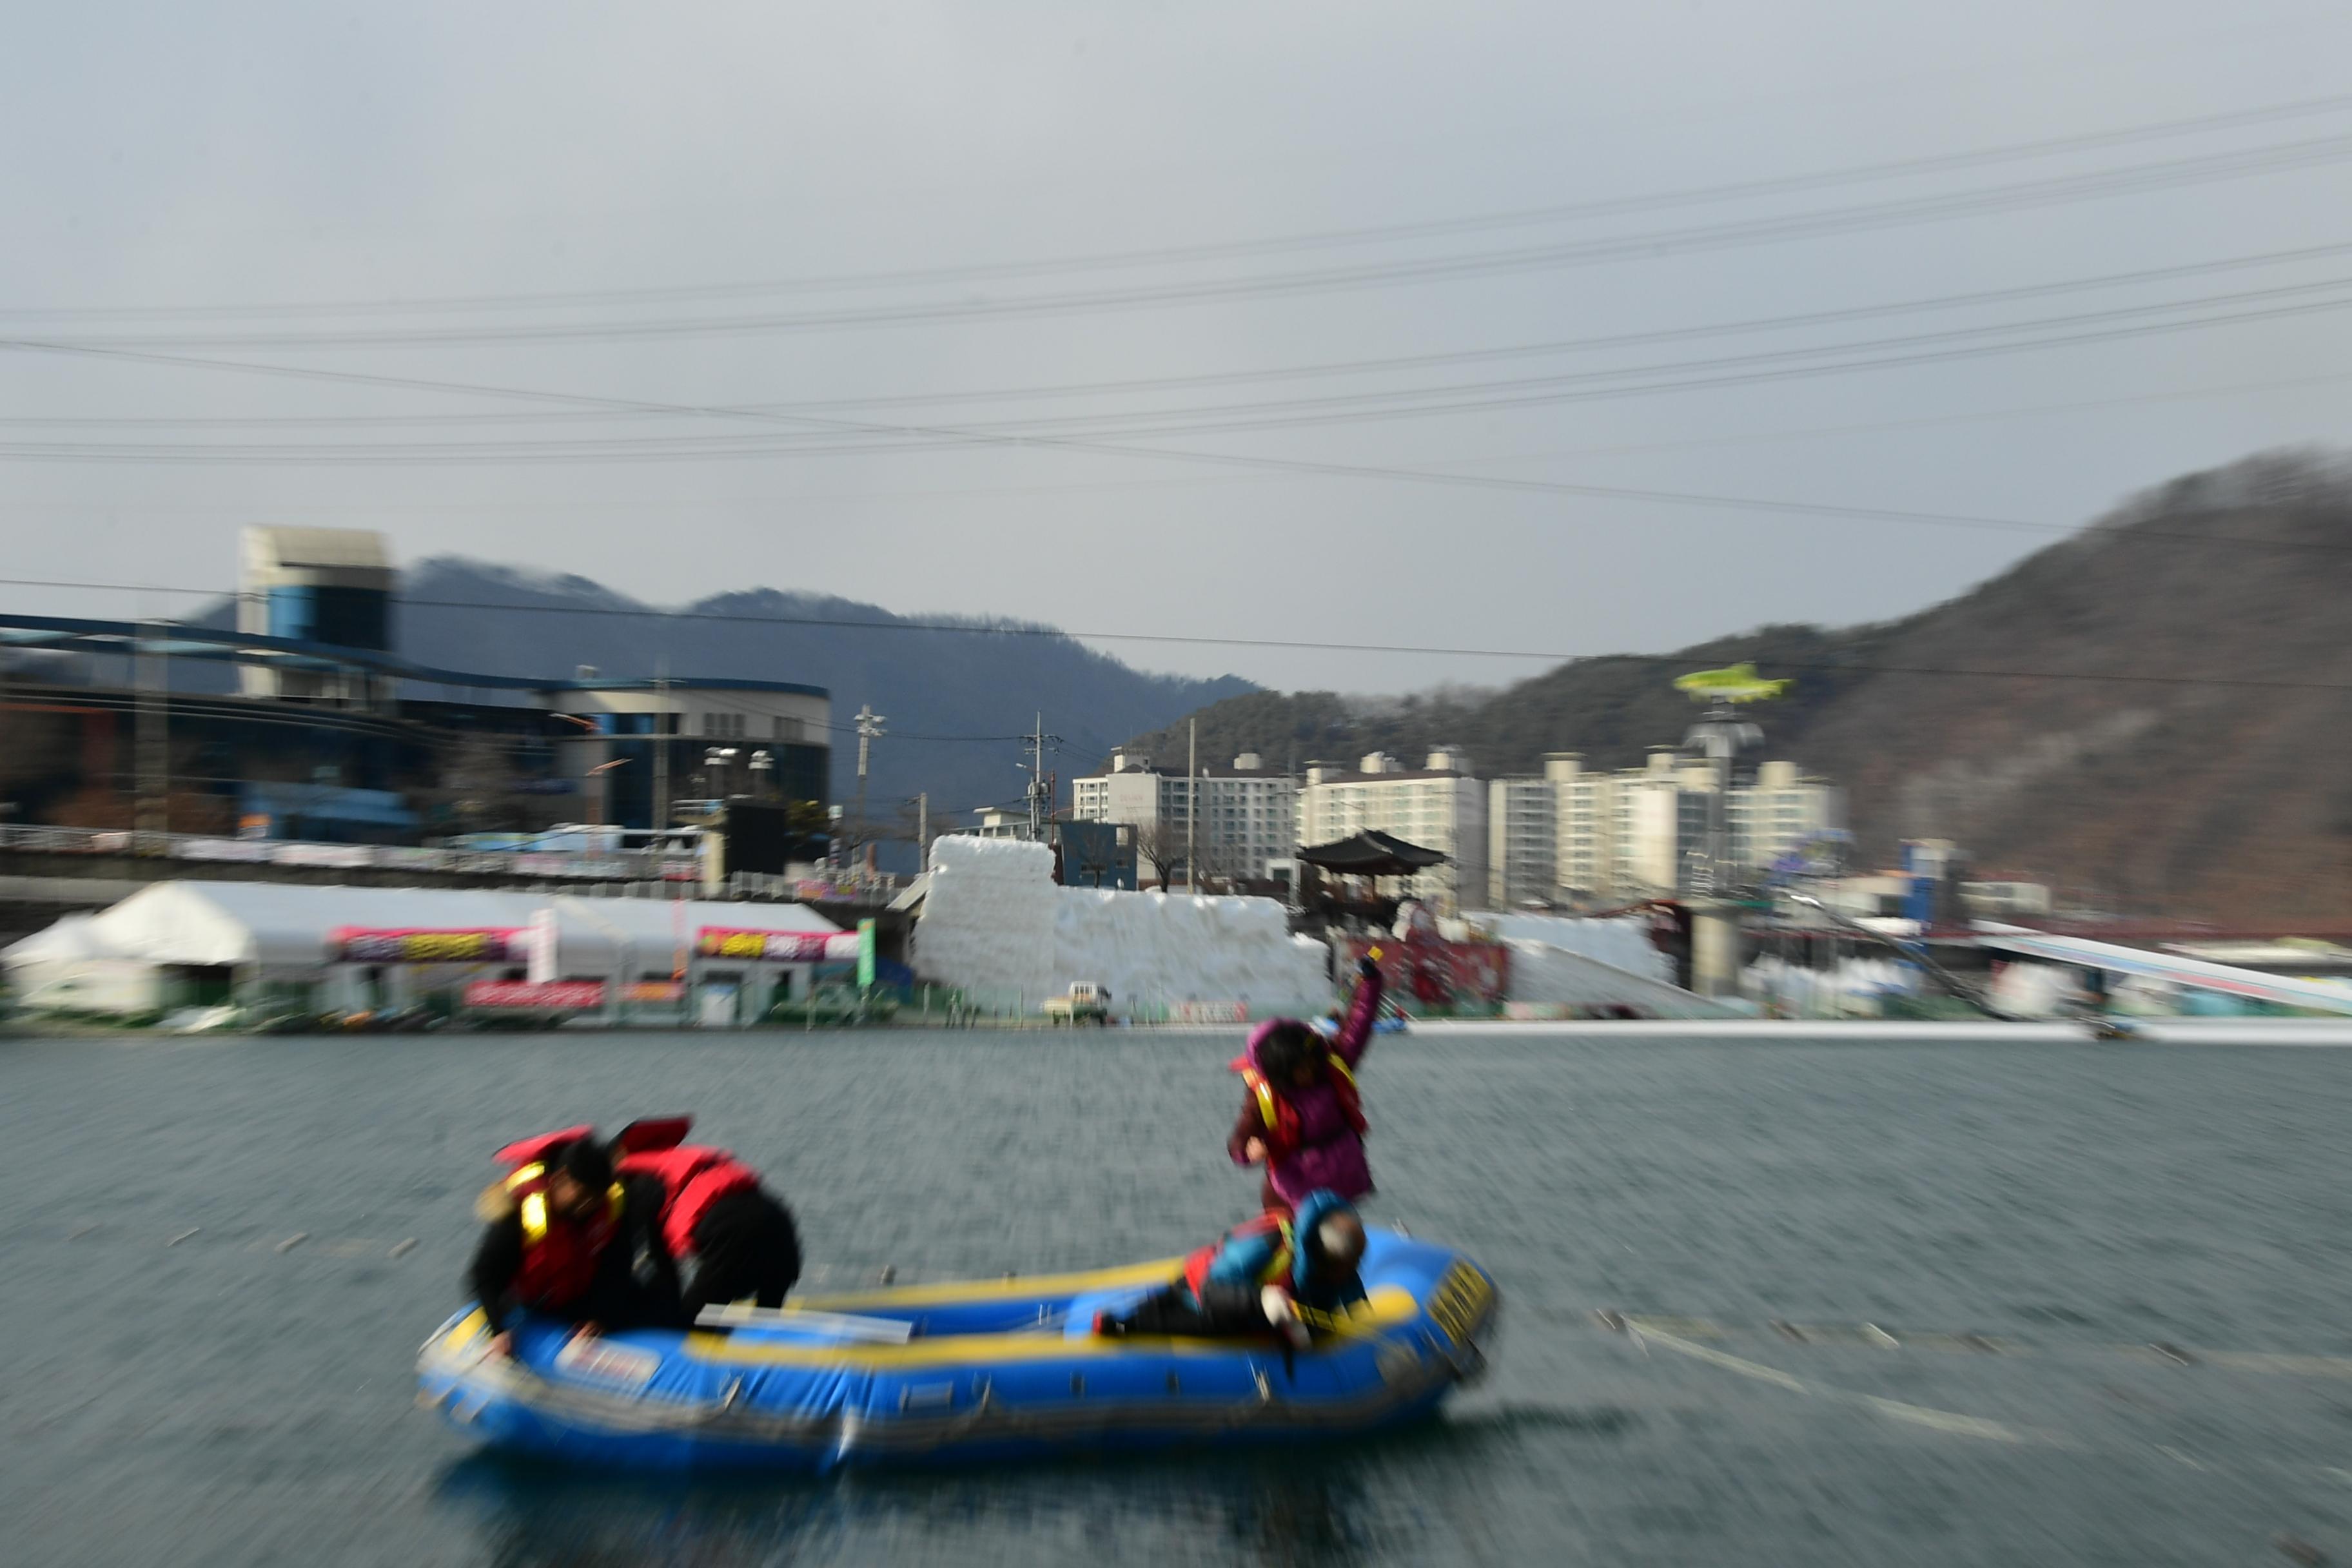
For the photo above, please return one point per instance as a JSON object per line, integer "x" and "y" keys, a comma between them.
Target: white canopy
{"x": 69, "y": 940}
{"x": 282, "y": 928}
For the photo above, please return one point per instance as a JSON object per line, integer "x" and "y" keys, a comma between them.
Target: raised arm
{"x": 1355, "y": 1032}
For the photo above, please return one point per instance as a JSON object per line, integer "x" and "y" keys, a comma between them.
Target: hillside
{"x": 934, "y": 683}
{"x": 929, "y": 683}
{"x": 2178, "y": 737}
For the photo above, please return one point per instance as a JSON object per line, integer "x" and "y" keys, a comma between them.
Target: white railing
{"x": 617, "y": 865}
{"x": 675, "y": 864}
{"x": 848, "y": 887}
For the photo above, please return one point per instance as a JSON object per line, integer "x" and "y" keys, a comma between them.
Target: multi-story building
{"x": 1524, "y": 843}
{"x": 1247, "y": 816}
{"x": 328, "y": 585}
{"x": 1779, "y": 811}
{"x": 333, "y": 734}
{"x": 1626, "y": 833}
{"x": 1438, "y": 806}
{"x": 1000, "y": 821}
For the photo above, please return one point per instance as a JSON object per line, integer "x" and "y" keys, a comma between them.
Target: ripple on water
{"x": 220, "y": 1402}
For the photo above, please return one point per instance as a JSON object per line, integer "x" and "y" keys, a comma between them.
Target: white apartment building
{"x": 1438, "y": 806}
{"x": 1630, "y": 833}
{"x": 1248, "y": 820}
{"x": 1523, "y": 837}
{"x": 1779, "y": 812}
{"x": 1000, "y": 821}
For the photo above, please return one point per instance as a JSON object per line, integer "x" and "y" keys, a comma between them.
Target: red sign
{"x": 773, "y": 946}
{"x": 551, "y": 996}
{"x": 412, "y": 944}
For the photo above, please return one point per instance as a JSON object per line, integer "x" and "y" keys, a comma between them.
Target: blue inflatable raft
{"x": 975, "y": 1371}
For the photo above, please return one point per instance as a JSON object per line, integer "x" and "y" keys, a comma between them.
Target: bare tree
{"x": 1161, "y": 845}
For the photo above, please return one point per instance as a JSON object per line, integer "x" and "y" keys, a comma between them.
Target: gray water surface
{"x": 220, "y": 1401}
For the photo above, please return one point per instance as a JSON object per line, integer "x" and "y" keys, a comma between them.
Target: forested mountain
{"x": 2156, "y": 712}
{"x": 929, "y": 683}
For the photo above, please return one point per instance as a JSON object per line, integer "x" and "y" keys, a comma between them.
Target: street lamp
{"x": 596, "y": 797}
{"x": 718, "y": 758}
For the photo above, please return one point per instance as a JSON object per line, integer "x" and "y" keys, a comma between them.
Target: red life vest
{"x": 1277, "y": 1268}
{"x": 1281, "y": 1118}
{"x": 535, "y": 1151}
{"x": 693, "y": 1176}
{"x": 559, "y": 1254}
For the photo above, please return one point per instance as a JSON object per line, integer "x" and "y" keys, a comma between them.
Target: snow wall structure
{"x": 1621, "y": 941}
{"x": 995, "y": 926}
{"x": 1546, "y": 976}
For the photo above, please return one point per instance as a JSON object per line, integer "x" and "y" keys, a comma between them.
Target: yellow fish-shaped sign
{"x": 1737, "y": 683}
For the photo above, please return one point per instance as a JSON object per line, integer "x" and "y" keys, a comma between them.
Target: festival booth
{"x": 1364, "y": 858}
{"x": 1425, "y": 972}
{"x": 1371, "y": 853}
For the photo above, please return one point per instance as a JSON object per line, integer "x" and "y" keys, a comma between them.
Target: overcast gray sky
{"x": 1094, "y": 194}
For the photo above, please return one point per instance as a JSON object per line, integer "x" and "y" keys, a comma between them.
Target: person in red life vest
{"x": 1301, "y": 1117}
{"x": 714, "y": 1214}
{"x": 1277, "y": 1274}
{"x": 565, "y": 1237}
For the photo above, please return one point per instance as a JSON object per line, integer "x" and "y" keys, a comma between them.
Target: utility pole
{"x": 1192, "y": 807}
{"x": 869, "y": 730}
{"x": 153, "y": 813}
{"x": 661, "y": 744}
{"x": 923, "y": 831}
{"x": 1037, "y": 781}
{"x": 1040, "y": 792}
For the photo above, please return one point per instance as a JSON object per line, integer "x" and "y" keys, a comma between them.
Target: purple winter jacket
{"x": 1330, "y": 1155}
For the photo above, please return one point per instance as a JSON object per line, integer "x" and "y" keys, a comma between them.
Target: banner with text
{"x": 777, "y": 946}
{"x": 545, "y": 997}
{"x": 417, "y": 944}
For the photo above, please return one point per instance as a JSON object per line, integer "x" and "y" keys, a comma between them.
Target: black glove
{"x": 1368, "y": 969}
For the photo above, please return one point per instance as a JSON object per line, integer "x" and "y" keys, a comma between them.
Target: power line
{"x": 1779, "y": 228}
{"x": 1716, "y": 372}
{"x": 1168, "y": 255}
{"x": 1123, "y": 423}
{"x": 1196, "y": 639}
{"x": 1281, "y": 465}
{"x": 1352, "y": 367}
{"x": 839, "y": 438}
{"x": 1806, "y": 433}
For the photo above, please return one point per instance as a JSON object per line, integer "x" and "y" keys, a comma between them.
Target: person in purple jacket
{"x": 1302, "y": 1118}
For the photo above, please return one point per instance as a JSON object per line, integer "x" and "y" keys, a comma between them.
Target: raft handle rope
{"x": 843, "y": 1325}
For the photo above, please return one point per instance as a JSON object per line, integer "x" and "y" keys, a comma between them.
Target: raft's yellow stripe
{"x": 953, "y": 1291}
{"x": 1390, "y": 1307}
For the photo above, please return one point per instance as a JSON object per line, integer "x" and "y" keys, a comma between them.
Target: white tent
{"x": 69, "y": 940}
{"x": 280, "y": 931}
